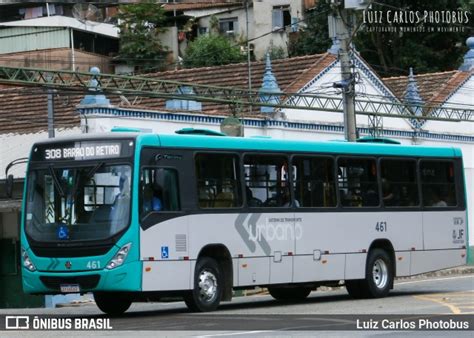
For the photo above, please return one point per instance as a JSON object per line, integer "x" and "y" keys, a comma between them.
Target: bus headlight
{"x": 119, "y": 257}
{"x": 27, "y": 263}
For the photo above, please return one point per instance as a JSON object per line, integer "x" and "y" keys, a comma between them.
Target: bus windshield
{"x": 77, "y": 203}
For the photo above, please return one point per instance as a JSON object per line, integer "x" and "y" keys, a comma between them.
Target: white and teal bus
{"x": 136, "y": 217}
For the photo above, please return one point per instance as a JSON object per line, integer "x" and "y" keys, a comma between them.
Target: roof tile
{"x": 434, "y": 87}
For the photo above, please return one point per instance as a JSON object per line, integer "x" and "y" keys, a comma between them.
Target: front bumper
{"x": 123, "y": 278}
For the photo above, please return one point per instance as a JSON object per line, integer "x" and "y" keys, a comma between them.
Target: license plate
{"x": 69, "y": 288}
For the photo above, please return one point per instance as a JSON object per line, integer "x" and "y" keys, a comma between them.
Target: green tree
{"x": 140, "y": 24}
{"x": 211, "y": 50}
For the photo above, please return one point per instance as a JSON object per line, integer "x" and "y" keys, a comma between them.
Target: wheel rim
{"x": 207, "y": 286}
{"x": 380, "y": 273}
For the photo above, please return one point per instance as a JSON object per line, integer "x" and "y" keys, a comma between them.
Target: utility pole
{"x": 50, "y": 113}
{"x": 341, "y": 25}
{"x": 249, "y": 69}
{"x": 348, "y": 88}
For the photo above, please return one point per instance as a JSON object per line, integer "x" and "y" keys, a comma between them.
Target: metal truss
{"x": 153, "y": 87}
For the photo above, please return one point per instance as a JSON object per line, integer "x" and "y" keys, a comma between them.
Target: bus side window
{"x": 266, "y": 181}
{"x": 358, "y": 185}
{"x": 399, "y": 183}
{"x": 438, "y": 183}
{"x": 159, "y": 190}
{"x": 315, "y": 185}
{"x": 218, "y": 181}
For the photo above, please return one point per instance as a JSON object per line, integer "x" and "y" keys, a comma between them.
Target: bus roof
{"x": 269, "y": 144}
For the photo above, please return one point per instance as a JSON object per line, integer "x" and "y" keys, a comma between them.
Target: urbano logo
{"x": 17, "y": 322}
{"x": 280, "y": 229}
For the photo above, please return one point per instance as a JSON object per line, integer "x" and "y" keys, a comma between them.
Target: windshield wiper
{"x": 56, "y": 182}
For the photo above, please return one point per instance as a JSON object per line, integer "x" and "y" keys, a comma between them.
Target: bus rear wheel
{"x": 378, "y": 280}
{"x": 208, "y": 282}
{"x": 112, "y": 303}
{"x": 288, "y": 294}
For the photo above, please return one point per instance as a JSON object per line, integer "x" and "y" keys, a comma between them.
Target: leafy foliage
{"x": 211, "y": 50}
{"x": 140, "y": 24}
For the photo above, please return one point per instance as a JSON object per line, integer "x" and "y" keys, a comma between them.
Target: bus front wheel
{"x": 378, "y": 280}
{"x": 112, "y": 303}
{"x": 208, "y": 282}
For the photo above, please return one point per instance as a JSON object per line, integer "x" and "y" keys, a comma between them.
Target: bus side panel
{"x": 426, "y": 261}
{"x": 354, "y": 262}
{"x": 327, "y": 267}
{"x": 444, "y": 229}
{"x": 347, "y": 232}
{"x": 403, "y": 262}
{"x": 254, "y": 271}
{"x": 164, "y": 250}
{"x": 166, "y": 275}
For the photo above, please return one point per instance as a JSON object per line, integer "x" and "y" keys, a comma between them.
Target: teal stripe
{"x": 263, "y": 144}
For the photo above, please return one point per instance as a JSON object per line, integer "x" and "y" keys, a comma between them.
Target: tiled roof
{"x": 291, "y": 74}
{"x": 434, "y": 87}
{"x": 25, "y": 110}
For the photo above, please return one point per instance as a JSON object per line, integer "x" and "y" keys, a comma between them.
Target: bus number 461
{"x": 381, "y": 226}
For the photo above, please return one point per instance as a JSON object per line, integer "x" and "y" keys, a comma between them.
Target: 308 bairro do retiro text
{"x": 412, "y": 324}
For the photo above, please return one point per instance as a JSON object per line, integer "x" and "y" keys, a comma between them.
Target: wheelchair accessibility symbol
{"x": 164, "y": 252}
{"x": 63, "y": 232}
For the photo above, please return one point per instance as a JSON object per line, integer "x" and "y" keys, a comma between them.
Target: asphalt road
{"x": 323, "y": 310}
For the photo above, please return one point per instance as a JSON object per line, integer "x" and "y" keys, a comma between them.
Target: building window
{"x": 202, "y": 31}
{"x": 228, "y": 26}
{"x": 218, "y": 181}
{"x": 281, "y": 17}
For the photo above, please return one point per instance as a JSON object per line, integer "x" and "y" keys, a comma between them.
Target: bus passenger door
{"x": 164, "y": 231}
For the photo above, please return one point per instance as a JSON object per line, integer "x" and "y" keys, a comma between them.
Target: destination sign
{"x": 87, "y": 150}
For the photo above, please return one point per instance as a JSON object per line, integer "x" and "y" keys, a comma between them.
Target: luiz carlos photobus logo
{"x": 404, "y": 20}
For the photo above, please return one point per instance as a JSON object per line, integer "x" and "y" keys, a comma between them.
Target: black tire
{"x": 112, "y": 303}
{"x": 208, "y": 285}
{"x": 355, "y": 289}
{"x": 289, "y": 294}
{"x": 379, "y": 275}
